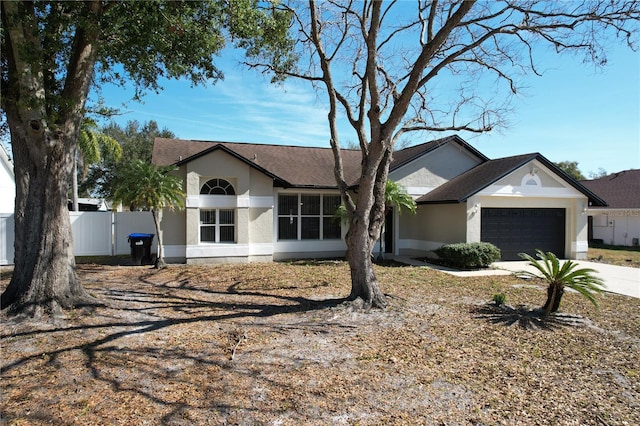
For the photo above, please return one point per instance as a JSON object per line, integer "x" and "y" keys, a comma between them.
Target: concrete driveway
{"x": 618, "y": 279}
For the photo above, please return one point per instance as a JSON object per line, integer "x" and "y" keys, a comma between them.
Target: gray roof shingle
{"x": 291, "y": 165}
{"x": 310, "y": 167}
{"x": 620, "y": 190}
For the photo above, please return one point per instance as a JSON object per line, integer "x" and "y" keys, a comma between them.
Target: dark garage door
{"x": 516, "y": 231}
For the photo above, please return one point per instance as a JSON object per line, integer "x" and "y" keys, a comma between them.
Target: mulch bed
{"x": 276, "y": 344}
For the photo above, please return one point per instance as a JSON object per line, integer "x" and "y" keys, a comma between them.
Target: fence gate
{"x": 94, "y": 233}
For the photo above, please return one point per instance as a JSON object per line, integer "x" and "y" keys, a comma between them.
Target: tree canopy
{"x": 136, "y": 142}
{"x": 395, "y": 67}
{"x": 51, "y": 54}
{"x": 570, "y": 168}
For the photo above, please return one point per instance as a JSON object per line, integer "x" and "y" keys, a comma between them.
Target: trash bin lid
{"x": 136, "y": 235}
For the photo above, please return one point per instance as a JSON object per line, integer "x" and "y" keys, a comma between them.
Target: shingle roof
{"x": 620, "y": 190}
{"x": 291, "y": 165}
{"x": 309, "y": 167}
{"x": 463, "y": 186}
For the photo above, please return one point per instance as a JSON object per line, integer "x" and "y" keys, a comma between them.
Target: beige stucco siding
{"x": 173, "y": 223}
{"x": 252, "y": 203}
{"x": 173, "y": 227}
{"x": 434, "y": 168}
{"x": 442, "y": 223}
{"x": 534, "y": 172}
{"x": 261, "y": 228}
{"x": 261, "y": 184}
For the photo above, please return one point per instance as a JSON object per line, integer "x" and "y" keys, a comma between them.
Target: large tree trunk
{"x": 44, "y": 131}
{"x": 364, "y": 284}
{"x": 365, "y": 227}
{"x": 44, "y": 278}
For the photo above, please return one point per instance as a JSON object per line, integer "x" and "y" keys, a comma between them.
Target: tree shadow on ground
{"x": 132, "y": 311}
{"x": 525, "y": 317}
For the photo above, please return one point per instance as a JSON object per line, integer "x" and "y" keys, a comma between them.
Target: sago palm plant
{"x": 563, "y": 275}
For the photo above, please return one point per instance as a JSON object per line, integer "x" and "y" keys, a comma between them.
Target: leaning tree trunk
{"x": 44, "y": 278}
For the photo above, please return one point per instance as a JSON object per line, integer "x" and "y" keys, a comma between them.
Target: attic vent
{"x": 255, "y": 157}
{"x": 179, "y": 157}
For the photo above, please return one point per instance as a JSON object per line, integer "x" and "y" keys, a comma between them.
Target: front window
{"x": 217, "y": 226}
{"x": 308, "y": 217}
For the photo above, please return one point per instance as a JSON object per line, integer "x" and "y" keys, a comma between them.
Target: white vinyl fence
{"x": 94, "y": 233}
{"x": 6, "y": 238}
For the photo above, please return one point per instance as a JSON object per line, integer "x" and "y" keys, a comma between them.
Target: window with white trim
{"x": 217, "y": 226}
{"x": 308, "y": 217}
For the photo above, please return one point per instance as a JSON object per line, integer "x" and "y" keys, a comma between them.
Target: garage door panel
{"x": 519, "y": 230}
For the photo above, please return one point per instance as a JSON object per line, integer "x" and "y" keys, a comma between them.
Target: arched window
{"x": 217, "y": 187}
{"x": 531, "y": 179}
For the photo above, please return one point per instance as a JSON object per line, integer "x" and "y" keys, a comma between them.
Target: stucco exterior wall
{"x": 432, "y": 226}
{"x": 252, "y": 203}
{"x": 174, "y": 227}
{"x": 534, "y": 172}
{"x": 433, "y": 169}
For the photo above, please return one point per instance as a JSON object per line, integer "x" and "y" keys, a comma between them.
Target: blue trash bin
{"x": 140, "y": 247}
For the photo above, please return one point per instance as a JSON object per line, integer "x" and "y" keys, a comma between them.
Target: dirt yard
{"x": 274, "y": 344}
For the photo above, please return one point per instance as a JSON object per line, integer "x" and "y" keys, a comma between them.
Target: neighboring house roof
{"x": 620, "y": 190}
{"x": 469, "y": 183}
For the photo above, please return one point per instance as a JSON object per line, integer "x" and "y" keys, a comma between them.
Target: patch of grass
{"x": 499, "y": 299}
{"x": 615, "y": 255}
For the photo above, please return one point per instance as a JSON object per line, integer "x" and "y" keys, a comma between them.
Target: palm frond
{"x": 567, "y": 274}
{"x": 396, "y": 196}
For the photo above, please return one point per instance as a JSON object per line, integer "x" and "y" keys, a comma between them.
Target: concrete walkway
{"x": 618, "y": 279}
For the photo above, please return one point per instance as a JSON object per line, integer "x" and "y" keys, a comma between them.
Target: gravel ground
{"x": 275, "y": 344}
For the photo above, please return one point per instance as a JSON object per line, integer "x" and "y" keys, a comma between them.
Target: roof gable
{"x": 467, "y": 184}
{"x": 620, "y": 190}
{"x": 290, "y": 166}
{"x": 407, "y": 155}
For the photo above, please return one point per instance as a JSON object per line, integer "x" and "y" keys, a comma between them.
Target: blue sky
{"x": 574, "y": 112}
